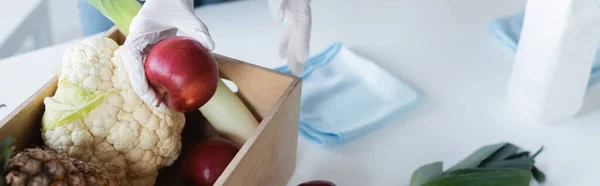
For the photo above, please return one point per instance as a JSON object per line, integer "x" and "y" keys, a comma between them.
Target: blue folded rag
{"x": 507, "y": 29}
{"x": 345, "y": 96}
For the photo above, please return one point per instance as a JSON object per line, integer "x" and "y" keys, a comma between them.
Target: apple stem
{"x": 161, "y": 99}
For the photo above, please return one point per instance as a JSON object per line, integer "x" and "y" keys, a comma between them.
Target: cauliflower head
{"x": 96, "y": 116}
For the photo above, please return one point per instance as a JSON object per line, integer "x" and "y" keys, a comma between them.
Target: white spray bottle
{"x": 557, "y": 48}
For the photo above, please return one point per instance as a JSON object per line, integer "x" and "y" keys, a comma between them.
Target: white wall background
{"x": 64, "y": 18}
{"x": 24, "y": 26}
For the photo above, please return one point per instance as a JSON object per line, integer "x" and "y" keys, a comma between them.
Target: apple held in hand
{"x": 203, "y": 165}
{"x": 182, "y": 72}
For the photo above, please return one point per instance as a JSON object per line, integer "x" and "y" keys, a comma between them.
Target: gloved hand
{"x": 159, "y": 19}
{"x": 296, "y": 16}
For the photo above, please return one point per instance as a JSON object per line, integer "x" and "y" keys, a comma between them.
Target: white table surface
{"x": 443, "y": 48}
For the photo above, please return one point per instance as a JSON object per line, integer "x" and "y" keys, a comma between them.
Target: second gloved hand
{"x": 296, "y": 16}
{"x": 159, "y": 19}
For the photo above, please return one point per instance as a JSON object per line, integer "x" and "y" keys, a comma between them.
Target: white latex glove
{"x": 296, "y": 16}
{"x": 159, "y": 19}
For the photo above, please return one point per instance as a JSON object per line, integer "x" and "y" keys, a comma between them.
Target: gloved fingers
{"x": 157, "y": 37}
{"x": 299, "y": 6}
{"x": 190, "y": 4}
{"x": 302, "y": 35}
{"x": 299, "y": 44}
{"x": 135, "y": 70}
{"x": 294, "y": 66}
{"x": 151, "y": 99}
{"x": 276, "y": 8}
{"x": 195, "y": 28}
{"x": 133, "y": 50}
{"x": 147, "y": 31}
{"x": 285, "y": 38}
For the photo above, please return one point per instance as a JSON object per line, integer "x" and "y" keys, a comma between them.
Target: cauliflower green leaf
{"x": 69, "y": 103}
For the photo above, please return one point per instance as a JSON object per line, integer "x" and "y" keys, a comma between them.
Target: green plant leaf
{"x": 538, "y": 152}
{"x": 70, "y": 102}
{"x": 475, "y": 158}
{"x": 502, "y": 153}
{"x": 468, "y": 170}
{"x": 425, "y": 173}
{"x": 518, "y": 155}
{"x": 523, "y": 162}
{"x": 483, "y": 177}
{"x": 538, "y": 175}
{"x": 7, "y": 149}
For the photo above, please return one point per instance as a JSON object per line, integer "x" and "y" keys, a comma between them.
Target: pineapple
{"x": 40, "y": 167}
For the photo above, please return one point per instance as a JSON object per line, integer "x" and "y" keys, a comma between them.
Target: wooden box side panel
{"x": 24, "y": 123}
{"x": 115, "y": 34}
{"x": 271, "y": 157}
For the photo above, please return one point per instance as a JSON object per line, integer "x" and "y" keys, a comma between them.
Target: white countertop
{"x": 443, "y": 48}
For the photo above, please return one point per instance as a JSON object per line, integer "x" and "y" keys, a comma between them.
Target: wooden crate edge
{"x": 27, "y": 103}
{"x": 233, "y": 165}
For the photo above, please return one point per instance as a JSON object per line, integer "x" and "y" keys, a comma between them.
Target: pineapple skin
{"x": 41, "y": 167}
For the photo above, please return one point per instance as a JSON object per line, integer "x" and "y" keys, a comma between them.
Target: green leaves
{"x": 488, "y": 177}
{"x": 120, "y": 12}
{"x": 425, "y": 173}
{"x": 69, "y": 103}
{"x": 501, "y": 164}
{"x": 7, "y": 149}
{"x": 477, "y": 157}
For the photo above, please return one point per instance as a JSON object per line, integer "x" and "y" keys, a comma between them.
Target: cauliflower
{"x": 97, "y": 117}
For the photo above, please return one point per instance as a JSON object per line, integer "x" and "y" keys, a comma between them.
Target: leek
{"x": 225, "y": 111}
{"x": 229, "y": 116}
{"x": 120, "y": 12}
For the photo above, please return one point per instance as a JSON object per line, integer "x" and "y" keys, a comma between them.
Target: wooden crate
{"x": 266, "y": 159}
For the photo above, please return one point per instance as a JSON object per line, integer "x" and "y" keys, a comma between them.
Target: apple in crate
{"x": 207, "y": 160}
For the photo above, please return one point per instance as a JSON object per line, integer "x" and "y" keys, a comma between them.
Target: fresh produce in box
{"x": 95, "y": 116}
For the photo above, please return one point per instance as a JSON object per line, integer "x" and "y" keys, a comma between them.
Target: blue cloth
{"x": 93, "y": 22}
{"x": 345, "y": 96}
{"x": 507, "y": 30}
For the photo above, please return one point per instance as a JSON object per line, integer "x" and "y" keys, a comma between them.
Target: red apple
{"x": 182, "y": 72}
{"x": 317, "y": 183}
{"x": 207, "y": 160}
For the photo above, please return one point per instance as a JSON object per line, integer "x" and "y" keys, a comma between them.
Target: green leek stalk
{"x": 120, "y": 12}
{"x": 225, "y": 111}
{"x": 229, "y": 116}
